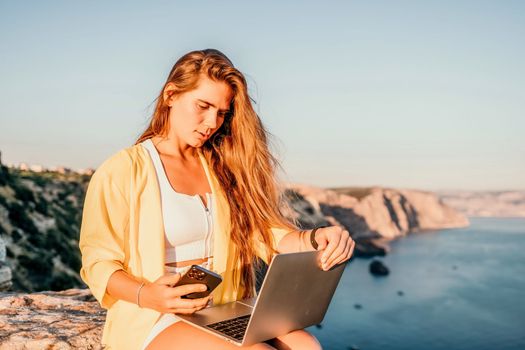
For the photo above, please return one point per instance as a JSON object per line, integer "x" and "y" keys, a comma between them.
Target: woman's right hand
{"x": 161, "y": 296}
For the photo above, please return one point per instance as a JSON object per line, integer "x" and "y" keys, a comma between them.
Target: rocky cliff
{"x": 373, "y": 212}
{"x": 5, "y": 271}
{"x": 40, "y": 217}
{"x": 40, "y": 214}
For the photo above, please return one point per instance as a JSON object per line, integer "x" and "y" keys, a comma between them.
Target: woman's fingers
{"x": 186, "y": 306}
{"x": 189, "y": 303}
{"x": 166, "y": 298}
{"x": 169, "y": 279}
{"x": 351, "y": 252}
{"x": 184, "y": 311}
{"x": 342, "y": 252}
{"x": 333, "y": 242}
{"x": 339, "y": 250}
{"x": 349, "y": 249}
{"x": 188, "y": 289}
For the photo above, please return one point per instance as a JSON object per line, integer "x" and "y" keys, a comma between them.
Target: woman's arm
{"x": 295, "y": 241}
{"x": 159, "y": 295}
{"x": 334, "y": 241}
{"x": 104, "y": 228}
{"x": 123, "y": 286}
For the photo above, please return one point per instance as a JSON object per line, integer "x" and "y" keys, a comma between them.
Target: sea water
{"x": 448, "y": 289}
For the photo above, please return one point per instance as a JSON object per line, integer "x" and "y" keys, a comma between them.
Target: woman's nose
{"x": 211, "y": 120}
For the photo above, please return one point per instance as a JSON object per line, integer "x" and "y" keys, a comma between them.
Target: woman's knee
{"x": 188, "y": 337}
{"x": 299, "y": 339}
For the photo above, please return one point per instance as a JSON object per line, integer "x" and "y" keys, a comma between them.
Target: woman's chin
{"x": 197, "y": 143}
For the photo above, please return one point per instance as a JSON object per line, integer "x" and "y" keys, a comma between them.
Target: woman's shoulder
{"x": 122, "y": 162}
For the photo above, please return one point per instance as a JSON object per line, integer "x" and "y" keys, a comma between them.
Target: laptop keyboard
{"x": 234, "y": 328}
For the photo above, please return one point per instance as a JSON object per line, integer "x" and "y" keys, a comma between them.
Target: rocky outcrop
{"x": 39, "y": 223}
{"x": 377, "y": 268}
{"x": 375, "y": 212}
{"x": 5, "y": 271}
{"x": 486, "y": 204}
{"x": 40, "y": 214}
{"x": 70, "y": 319}
{"x": 40, "y": 218}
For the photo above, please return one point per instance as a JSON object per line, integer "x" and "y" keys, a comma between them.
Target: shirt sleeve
{"x": 104, "y": 230}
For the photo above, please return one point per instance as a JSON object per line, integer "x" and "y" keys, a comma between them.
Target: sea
{"x": 447, "y": 289}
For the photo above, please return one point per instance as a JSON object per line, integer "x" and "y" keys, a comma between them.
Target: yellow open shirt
{"x": 122, "y": 229}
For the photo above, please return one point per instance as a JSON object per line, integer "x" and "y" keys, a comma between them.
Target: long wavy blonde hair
{"x": 239, "y": 155}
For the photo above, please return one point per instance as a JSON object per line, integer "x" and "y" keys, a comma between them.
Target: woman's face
{"x": 197, "y": 114}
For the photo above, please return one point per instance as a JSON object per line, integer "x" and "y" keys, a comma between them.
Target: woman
{"x": 198, "y": 187}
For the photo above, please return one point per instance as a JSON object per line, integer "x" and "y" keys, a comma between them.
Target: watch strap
{"x": 312, "y": 237}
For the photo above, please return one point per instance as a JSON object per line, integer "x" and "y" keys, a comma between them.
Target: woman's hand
{"x": 337, "y": 244}
{"x": 161, "y": 296}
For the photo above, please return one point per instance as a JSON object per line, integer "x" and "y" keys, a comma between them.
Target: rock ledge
{"x": 69, "y": 319}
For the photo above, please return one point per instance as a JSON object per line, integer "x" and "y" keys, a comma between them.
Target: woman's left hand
{"x": 337, "y": 244}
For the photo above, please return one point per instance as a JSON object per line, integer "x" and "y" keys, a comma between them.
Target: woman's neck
{"x": 170, "y": 147}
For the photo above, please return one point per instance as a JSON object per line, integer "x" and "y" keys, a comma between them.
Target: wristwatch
{"x": 312, "y": 237}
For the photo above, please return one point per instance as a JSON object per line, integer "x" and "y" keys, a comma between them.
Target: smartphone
{"x": 198, "y": 274}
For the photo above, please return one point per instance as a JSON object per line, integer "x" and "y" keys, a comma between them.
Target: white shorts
{"x": 167, "y": 320}
{"x": 164, "y": 322}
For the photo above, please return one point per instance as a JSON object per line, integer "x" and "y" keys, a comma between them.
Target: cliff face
{"x": 73, "y": 319}
{"x": 39, "y": 226}
{"x": 374, "y": 212}
{"x": 5, "y": 271}
{"x": 40, "y": 217}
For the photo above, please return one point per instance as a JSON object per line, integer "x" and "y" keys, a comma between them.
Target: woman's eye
{"x": 202, "y": 106}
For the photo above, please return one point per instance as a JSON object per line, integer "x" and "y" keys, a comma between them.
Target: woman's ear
{"x": 168, "y": 93}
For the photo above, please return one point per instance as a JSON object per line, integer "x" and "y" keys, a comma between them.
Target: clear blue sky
{"x": 414, "y": 94}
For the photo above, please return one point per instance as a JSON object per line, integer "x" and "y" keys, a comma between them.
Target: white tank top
{"x": 187, "y": 221}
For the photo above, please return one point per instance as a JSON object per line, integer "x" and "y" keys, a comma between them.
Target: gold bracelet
{"x": 138, "y": 293}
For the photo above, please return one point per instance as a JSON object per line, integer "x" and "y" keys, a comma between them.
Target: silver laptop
{"x": 295, "y": 294}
